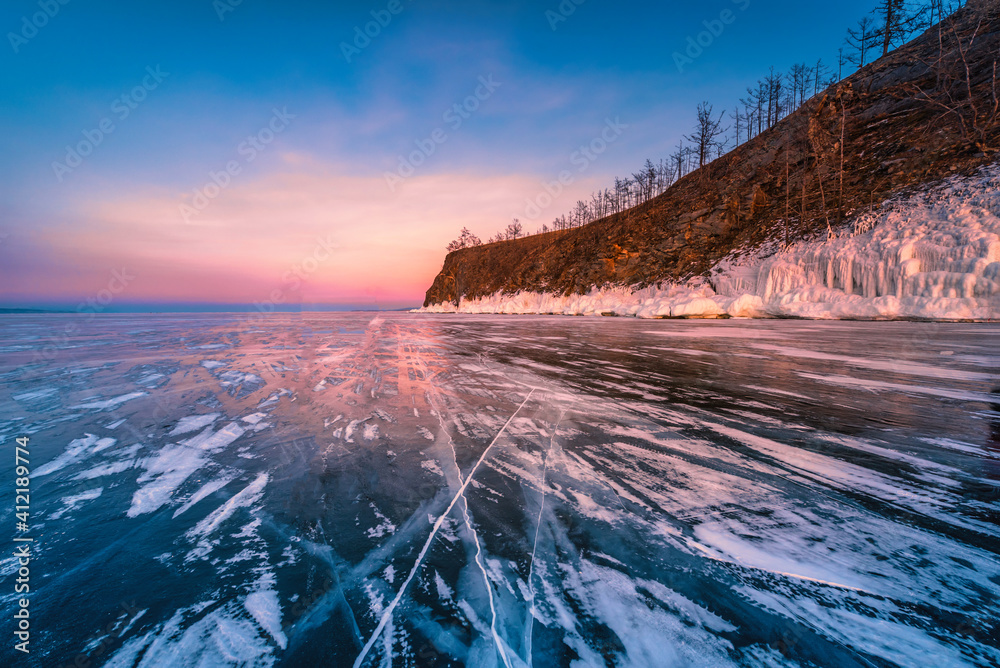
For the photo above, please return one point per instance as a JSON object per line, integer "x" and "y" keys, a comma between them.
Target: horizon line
{"x": 65, "y": 308}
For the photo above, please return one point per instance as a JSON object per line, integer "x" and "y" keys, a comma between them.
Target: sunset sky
{"x": 166, "y": 94}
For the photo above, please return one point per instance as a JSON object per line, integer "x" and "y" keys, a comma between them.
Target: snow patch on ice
{"x": 193, "y": 423}
{"x": 432, "y": 466}
{"x": 264, "y": 607}
{"x": 71, "y": 503}
{"x": 254, "y": 418}
{"x": 248, "y": 496}
{"x": 385, "y": 526}
{"x": 166, "y": 472}
{"x": 220, "y": 638}
{"x": 174, "y": 464}
{"x": 443, "y": 590}
{"x": 77, "y": 450}
{"x": 109, "y": 403}
{"x": 104, "y": 469}
{"x": 208, "y": 488}
{"x": 34, "y": 395}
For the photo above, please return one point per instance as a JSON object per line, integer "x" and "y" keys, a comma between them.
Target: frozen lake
{"x": 411, "y": 490}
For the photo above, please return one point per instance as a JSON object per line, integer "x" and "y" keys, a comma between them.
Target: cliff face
{"x": 893, "y": 141}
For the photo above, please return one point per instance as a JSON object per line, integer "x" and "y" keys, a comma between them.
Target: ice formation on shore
{"x": 932, "y": 255}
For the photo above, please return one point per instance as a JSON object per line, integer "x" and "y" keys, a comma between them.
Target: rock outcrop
{"x": 906, "y": 121}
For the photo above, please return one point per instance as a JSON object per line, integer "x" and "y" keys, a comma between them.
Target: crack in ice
{"x": 486, "y": 581}
{"x": 475, "y": 537}
{"x": 437, "y": 526}
{"x": 531, "y": 566}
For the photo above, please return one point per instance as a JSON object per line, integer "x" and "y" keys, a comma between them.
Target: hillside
{"x": 907, "y": 122}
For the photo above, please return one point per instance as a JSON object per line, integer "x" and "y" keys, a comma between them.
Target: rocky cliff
{"x": 906, "y": 120}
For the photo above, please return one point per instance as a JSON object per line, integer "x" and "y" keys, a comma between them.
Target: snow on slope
{"x": 933, "y": 255}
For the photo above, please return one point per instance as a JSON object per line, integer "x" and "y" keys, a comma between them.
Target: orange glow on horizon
{"x": 305, "y": 233}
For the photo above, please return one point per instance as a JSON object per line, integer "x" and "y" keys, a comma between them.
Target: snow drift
{"x": 932, "y": 255}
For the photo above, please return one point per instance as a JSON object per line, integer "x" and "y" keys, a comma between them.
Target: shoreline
{"x": 928, "y": 256}
{"x": 725, "y": 317}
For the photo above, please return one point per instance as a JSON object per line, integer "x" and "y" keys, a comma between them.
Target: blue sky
{"x": 324, "y": 172}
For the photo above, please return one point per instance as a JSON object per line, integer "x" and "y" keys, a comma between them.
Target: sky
{"x": 198, "y": 153}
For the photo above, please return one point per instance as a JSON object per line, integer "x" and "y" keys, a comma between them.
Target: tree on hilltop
{"x": 514, "y": 230}
{"x": 706, "y": 134}
{"x": 860, "y": 41}
{"x": 896, "y": 22}
{"x": 465, "y": 240}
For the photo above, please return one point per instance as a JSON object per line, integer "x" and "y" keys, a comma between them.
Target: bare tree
{"x": 677, "y": 159}
{"x": 821, "y": 76}
{"x": 933, "y": 11}
{"x": 626, "y": 193}
{"x": 773, "y": 87}
{"x": 798, "y": 78}
{"x": 976, "y": 112}
{"x": 896, "y": 21}
{"x": 619, "y": 196}
{"x": 737, "y": 120}
{"x": 649, "y": 173}
{"x": 860, "y": 41}
{"x": 469, "y": 239}
{"x": 706, "y": 134}
{"x": 514, "y": 230}
{"x": 843, "y": 139}
{"x": 465, "y": 240}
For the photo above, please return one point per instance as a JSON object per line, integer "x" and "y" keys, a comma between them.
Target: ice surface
{"x": 545, "y": 491}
